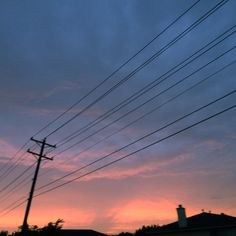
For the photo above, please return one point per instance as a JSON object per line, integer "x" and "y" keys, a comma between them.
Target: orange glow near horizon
{"x": 126, "y": 197}
{"x": 127, "y": 216}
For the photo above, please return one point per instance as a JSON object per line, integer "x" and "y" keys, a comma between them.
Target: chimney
{"x": 181, "y": 216}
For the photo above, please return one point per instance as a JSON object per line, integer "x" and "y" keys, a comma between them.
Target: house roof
{"x": 204, "y": 220}
{"x": 80, "y": 232}
{"x": 200, "y": 222}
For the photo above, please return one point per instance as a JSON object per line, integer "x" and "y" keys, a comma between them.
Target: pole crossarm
{"x": 43, "y": 141}
{"x": 36, "y": 154}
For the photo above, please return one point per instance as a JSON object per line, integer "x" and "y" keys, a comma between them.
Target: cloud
{"x": 131, "y": 214}
{"x": 120, "y": 171}
{"x": 144, "y": 169}
{"x": 212, "y": 144}
{"x": 6, "y": 149}
{"x": 65, "y": 86}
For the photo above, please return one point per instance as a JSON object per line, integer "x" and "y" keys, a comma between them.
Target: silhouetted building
{"x": 203, "y": 224}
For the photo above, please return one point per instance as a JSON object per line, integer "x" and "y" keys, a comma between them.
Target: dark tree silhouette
{"x": 125, "y": 234}
{"x": 51, "y": 229}
{"x": 4, "y": 233}
{"x": 145, "y": 230}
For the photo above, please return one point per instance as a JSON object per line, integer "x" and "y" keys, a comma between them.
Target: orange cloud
{"x": 132, "y": 214}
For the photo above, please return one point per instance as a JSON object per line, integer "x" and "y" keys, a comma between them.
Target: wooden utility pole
{"x": 40, "y": 156}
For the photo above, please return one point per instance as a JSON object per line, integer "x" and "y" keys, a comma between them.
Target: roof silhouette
{"x": 80, "y": 232}
{"x": 204, "y": 220}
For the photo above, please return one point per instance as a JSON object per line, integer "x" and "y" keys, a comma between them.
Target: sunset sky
{"x": 54, "y": 52}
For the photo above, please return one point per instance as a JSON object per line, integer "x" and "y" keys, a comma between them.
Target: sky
{"x": 53, "y": 53}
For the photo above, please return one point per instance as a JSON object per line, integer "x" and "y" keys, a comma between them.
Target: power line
{"x": 222, "y": 1}
{"x": 16, "y": 163}
{"x": 200, "y": 18}
{"x": 12, "y": 167}
{"x": 17, "y": 178}
{"x": 141, "y": 149}
{"x": 193, "y": 26}
{"x": 17, "y": 152}
{"x": 12, "y": 207}
{"x": 139, "y": 139}
{"x": 119, "y": 68}
{"x": 19, "y": 186}
{"x": 141, "y": 117}
{"x": 123, "y": 157}
{"x": 106, "y": 79}
{"x": 154, "y": 109}
{"x": 110, "y": 163}
{"x": 146, "y": 88}
{"x": 144, "y": 64}
{"x": 144, "y": 103}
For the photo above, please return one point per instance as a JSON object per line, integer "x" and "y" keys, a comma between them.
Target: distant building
{"x": 80, "y": 232}
{"x": 203, "y": 224}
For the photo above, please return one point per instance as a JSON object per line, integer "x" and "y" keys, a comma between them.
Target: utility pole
{"x": 39, "y": 156}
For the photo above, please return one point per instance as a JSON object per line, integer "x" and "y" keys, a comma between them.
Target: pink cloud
{"x": 122, "y": 170}
{"x": 6, "y": 148}
{"x": 144, "y": 169}
{"x": 70, "y": 160}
